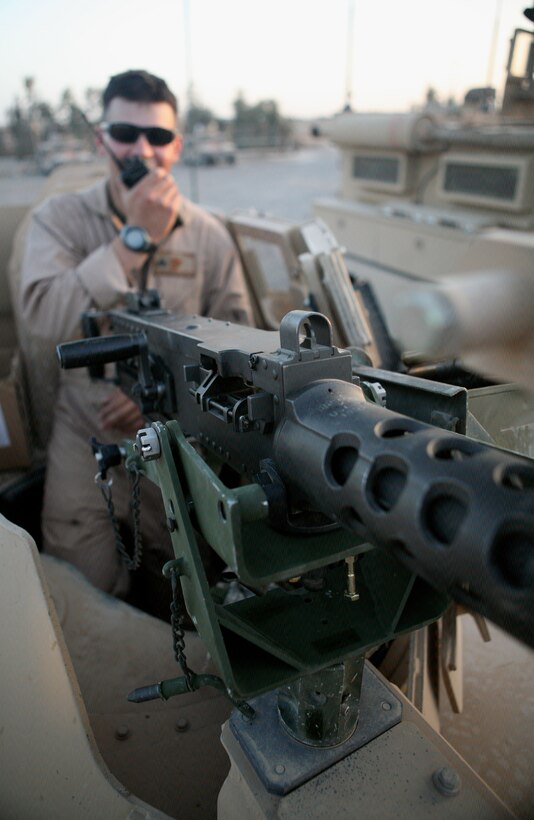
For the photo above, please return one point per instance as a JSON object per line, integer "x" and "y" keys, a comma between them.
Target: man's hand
{"x": 152, "y": 204}
{"x": 119, "y": 412}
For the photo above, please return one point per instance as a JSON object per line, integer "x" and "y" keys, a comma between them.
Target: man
{"x": 88, "y": 250}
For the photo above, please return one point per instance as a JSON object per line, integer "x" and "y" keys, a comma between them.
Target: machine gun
{"x": 332, "y": 473}
{"x": 326, "y": 473}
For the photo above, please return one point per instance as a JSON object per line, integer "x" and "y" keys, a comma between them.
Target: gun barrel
{"x": 454, "y": 511}
{"x": 100, "y": 350}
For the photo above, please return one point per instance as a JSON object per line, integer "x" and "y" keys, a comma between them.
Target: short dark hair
{"x": 137, "y": 85}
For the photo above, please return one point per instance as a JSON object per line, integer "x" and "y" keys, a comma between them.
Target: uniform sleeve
{"x": 226, "y": 295}
{"x": 59, "y": 280}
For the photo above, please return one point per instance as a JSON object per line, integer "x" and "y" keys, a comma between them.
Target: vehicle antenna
{"x": 193, "y": 171}
{"x": 493, "y": 47}
{"x": 350, "y": 51}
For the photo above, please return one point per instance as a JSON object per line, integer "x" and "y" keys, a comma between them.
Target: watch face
{"x": 135, "y": 238}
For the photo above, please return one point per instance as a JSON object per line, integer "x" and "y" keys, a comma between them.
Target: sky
{"x": 294, "y": 51}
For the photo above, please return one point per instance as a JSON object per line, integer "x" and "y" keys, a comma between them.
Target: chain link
{"x": 178, "y": 633}
{"x": 131, "y": 562}
{"x": 135, "y": 479}
{"x": 178, "y": 638}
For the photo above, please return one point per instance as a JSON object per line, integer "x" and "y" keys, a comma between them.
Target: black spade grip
{"x": 101, "y": 350}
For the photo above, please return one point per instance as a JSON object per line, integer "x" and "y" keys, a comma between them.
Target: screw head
{"x": 386, "y": 706}
{"x": 279, "y": 768}
{"x": 122, "y": 732}
{"x": 447, "y": 781}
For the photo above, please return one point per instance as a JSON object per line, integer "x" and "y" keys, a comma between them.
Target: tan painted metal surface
{"x": 49, "y": 764}
{"x": 167, "y": 753}
{"x": 390, "y": 777}
{"x": 495, "y": 731}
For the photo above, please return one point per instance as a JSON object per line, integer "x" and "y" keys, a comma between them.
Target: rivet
{"x": 122, "y": 732}
{"x": 386, "y": 706}
{"x": 182, "y": 725}
{"x": 279, "y": 768}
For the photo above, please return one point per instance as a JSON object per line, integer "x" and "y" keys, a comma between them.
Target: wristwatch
{"x": 136, "y": 239}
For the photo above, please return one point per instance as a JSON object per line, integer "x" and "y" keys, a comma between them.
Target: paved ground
{"x": 280, "y": 184}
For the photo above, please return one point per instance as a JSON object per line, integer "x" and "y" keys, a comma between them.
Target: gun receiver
{"x": 283, "y": 410}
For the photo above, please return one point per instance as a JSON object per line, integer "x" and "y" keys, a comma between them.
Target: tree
{"x": 20, "y": 128}
{"x": 197, "y": 115}
{"x": 33, "y": 120}
{"x": 260, "y": 125}
{"x": 93, "y": 103}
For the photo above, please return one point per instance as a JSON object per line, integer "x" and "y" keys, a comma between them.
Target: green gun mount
{"x": 286, "y": 630}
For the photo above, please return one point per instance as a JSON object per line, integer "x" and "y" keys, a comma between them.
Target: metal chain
{"x": 135, "y": 477}
{"x": 131, "y": 562}
{"x": 178, "y": 634}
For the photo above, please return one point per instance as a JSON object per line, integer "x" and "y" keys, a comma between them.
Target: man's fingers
{"x": 153, "y": 204}
{"x": 123, "y": 421}
{"x": 120, "y": 411}
{"x": 156, "y": 180}
{"x": 171, "y": 198}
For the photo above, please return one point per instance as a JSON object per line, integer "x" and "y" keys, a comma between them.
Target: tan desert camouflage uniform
{"x": 69, "y": 267}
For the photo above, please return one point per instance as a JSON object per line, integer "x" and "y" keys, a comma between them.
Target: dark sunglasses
{"x": 129, "y": 134}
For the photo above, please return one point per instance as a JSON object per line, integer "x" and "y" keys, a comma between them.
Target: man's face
{"x": 160, "y": 115}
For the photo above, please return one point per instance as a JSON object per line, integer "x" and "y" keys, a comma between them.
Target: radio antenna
{"x": 350, "y": 51}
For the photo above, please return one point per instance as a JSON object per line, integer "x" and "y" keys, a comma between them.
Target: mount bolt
{"x": 447, "y": 781}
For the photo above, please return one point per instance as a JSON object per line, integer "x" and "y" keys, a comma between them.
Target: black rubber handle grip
{"x": 100, "y": 350}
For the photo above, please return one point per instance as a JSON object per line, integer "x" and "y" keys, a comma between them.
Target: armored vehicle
{"x": 427, "y": 196}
